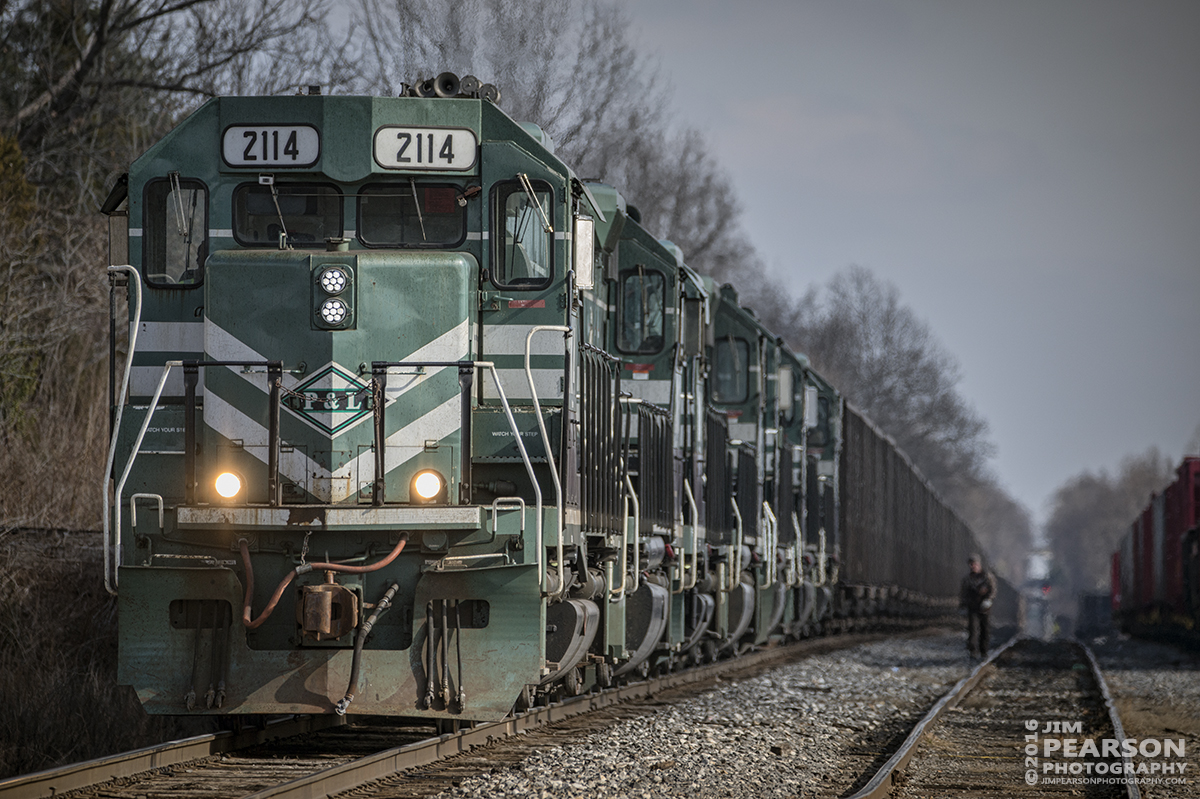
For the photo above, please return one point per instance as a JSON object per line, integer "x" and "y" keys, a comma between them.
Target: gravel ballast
{"x": 818, "y": 727}
{"x": 1157, "y": 691}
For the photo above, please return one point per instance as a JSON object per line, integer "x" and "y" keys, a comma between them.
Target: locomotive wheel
{"x": 573, "y": 681}
{"x": 710, "y": 651}
{"x": 604, "y": 675}
{"x": 524, "y": 700}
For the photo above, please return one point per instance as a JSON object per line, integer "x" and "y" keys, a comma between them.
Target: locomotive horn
{"x": 490, "y": 93}
{"x": 469, "y": 85}
{"x": 424, "y": 88}
{"x": 446, "y": 85}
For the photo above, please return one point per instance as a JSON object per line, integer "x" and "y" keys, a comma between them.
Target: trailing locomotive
{"x": 416, "y": 422}
{"x": 1156, "y": 571}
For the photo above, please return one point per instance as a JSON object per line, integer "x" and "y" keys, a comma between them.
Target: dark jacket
{"x": 975, "y": 589}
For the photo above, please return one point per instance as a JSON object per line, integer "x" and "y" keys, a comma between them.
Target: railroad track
{"x": 1002, "y": 731}
{"x": 325, "y": 756}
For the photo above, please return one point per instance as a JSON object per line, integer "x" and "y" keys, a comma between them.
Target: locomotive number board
{"x": 271, "y": 145}
{"x": 441, "y": 149}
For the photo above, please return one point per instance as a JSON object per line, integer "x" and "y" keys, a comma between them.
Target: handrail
{"x": 112, "y": 530}
{"x": 687, "y": 490}
{"x": 191, "y": 376}
{"x": 772, "y": 543}
{"x": 537, "y": 412}
{"x": 617, "y": 594}
{"x": 137, "y": 445}
{"x": 133, "y": 509}
{"x": 735, "y": 574}
{"x": 516, "y": 502}
{"x": 135, "y": 280}
{"x": 821, "y": 557}
{"x": 637, "y": 534}
{"x": 798, "y": 548}
{"x": 537, "y": 489}
{"x": 379, "y": 372}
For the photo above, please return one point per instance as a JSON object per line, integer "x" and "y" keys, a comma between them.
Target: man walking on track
{"x": 978, "y": 591}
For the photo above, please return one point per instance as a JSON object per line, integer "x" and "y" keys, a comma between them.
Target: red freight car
{"x": 1154, "y": 573}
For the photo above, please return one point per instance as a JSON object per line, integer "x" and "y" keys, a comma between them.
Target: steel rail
{"x": 54, "y": 782}
{"x": 349, "y": 776}
{"x": 880, "y": 785}
{"x": 1131, "y": 789}
{"x": 90, "y": 772}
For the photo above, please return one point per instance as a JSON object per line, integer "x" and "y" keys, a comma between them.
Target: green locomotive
{"x": 415, "y": 422}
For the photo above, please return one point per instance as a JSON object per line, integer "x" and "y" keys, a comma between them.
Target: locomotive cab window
{"x": 412, "y": 214}
{"x": 819, "y": 435}
{"x": 175, "y": 241}
{"x": 641, "y": 313}
{"x": 522, "y": 249}
{"x": 307, "y": 213}
{"x": 732, "y": 370}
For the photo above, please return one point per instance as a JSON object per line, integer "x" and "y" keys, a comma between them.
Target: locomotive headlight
{"x": 427, "y": 485}
{"x": 334, "y": 311}
{"x": 228, "y": 485}
{"x": 334, "y": 280}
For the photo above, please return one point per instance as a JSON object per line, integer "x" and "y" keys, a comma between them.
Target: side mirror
{"x": 811, "y": 416}
{"x": 785, "y": 389}
{"x": 584, "y": 239}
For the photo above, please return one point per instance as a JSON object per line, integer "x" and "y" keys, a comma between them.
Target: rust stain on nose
{"x": 306, "y": 516}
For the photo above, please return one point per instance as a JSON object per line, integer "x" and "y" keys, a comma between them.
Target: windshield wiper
{"x": 269, "y": 180}
{"x": 525, "y": 184}
{"x": 420, "y": 219}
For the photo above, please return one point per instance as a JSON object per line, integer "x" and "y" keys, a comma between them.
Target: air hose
{"x": 363, "y": 632}
{"x": 303, "y": 568}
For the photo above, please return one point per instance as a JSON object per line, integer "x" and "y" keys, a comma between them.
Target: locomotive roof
{"x": 345, "y": 126}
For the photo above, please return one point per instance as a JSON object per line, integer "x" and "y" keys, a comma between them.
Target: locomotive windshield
{"x": 176, "y": 234}
{"x": 731, "y": 372}
{"x": 411, "y": 215}
{"x": 307, "y": 213}
{"x": 819, "y": 436}
{"x": 643, "y": 297}
{"x": 524, "y": 257}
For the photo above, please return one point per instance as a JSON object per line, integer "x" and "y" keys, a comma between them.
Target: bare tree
{"x": 85, "y": 87}
{"x": 1003, "y": 525}
{"x": 53, "y": 334}
{"x": 1093, "y": 511}
{"x": 571, "y": 67}
{"x": 886, "y": 360}
{"x": 86, "y": 84}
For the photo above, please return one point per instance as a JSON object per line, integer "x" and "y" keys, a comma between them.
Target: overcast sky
{"x": 1026, "y": 172}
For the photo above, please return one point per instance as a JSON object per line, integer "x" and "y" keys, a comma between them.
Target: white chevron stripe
{"x": 220, "y": 345}
{"x": 453, "y": 345}
{"x": 406, "y": 443}
{"x": 401, "y": 447}
{"x": 233, "y": 424}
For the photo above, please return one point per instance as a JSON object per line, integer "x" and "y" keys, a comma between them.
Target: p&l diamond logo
{"x": 333, "y": 400}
